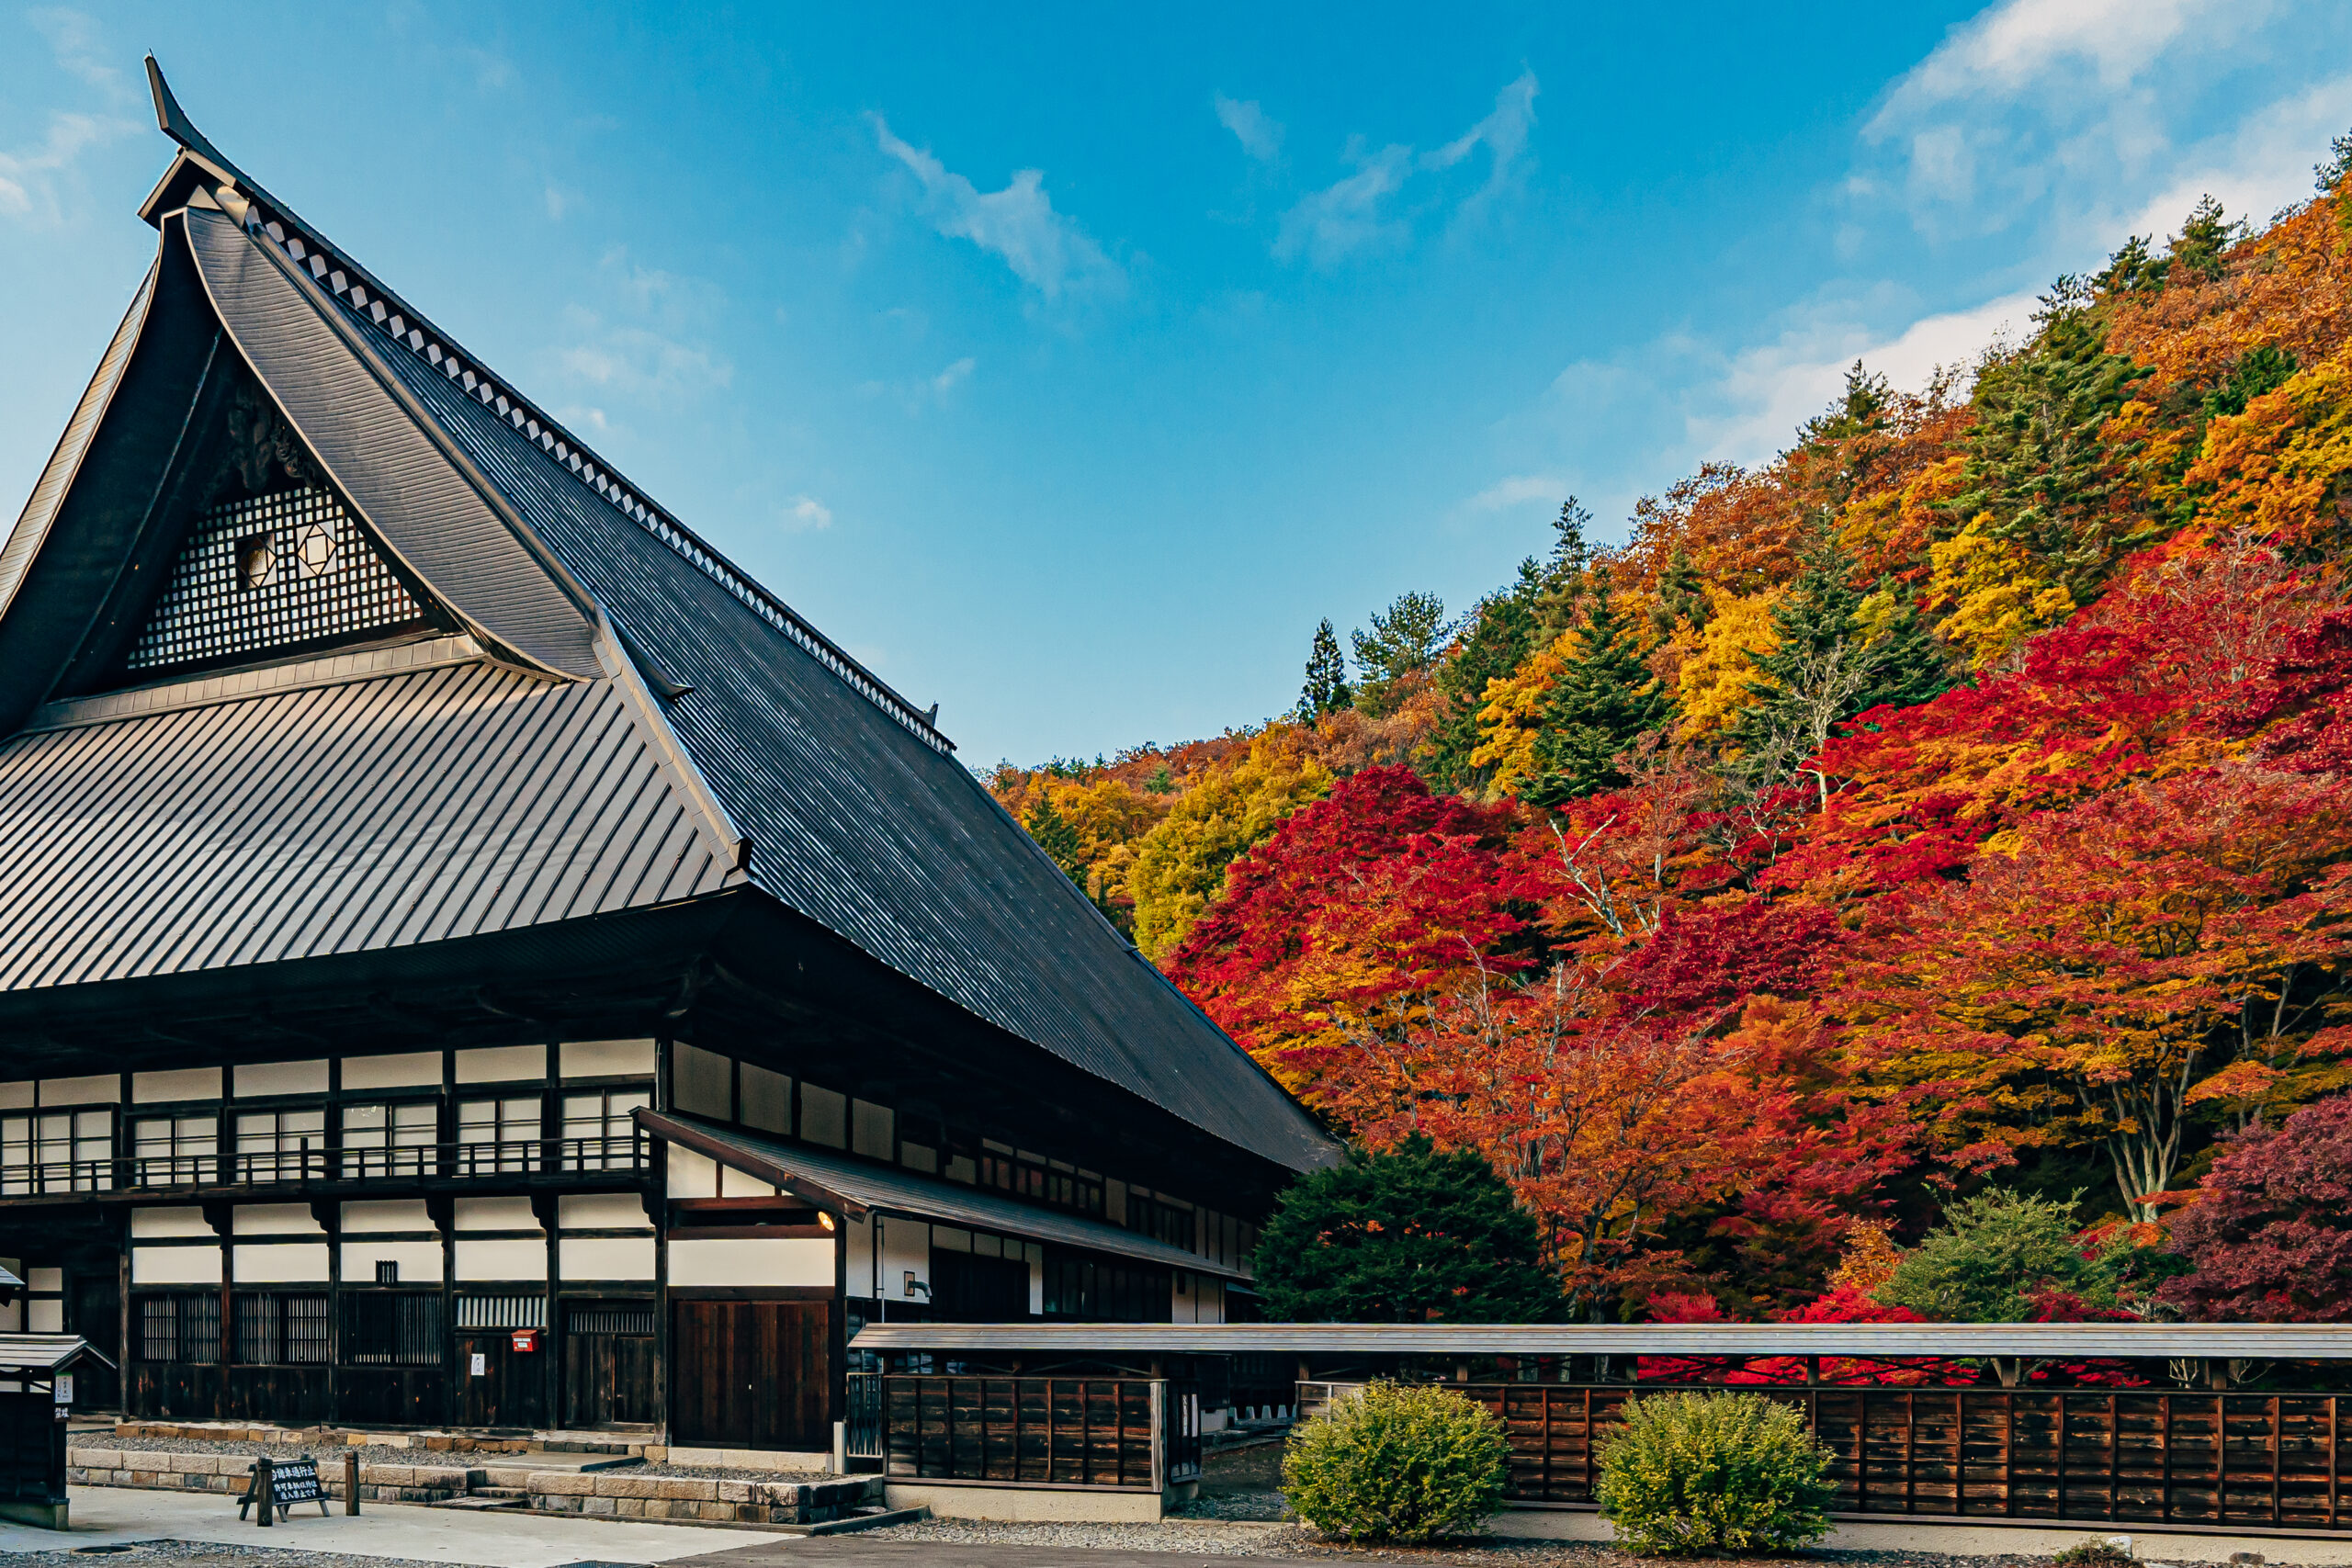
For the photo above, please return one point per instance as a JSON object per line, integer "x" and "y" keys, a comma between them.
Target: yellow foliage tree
{"x": 1998, "y": 592}
{"x": 1179, "y": 865}
{"x": 2284, "y": 466}
{"x": 1513, "y": 715}
{"x": 1712, "y": 685}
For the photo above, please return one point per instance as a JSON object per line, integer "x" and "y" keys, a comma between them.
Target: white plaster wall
{"x": 692, "y": 1175}
{"x": 601, "y": 1212}
{"x": 604, "y": 1058}
{"x": 175, "y": 1265}
{"x": 177, "y": 1083}
{"x": 282, "y": 1263}
{"x": 502, "y": 1064}
{"x": 608, "y": 1258}
{"x": 280, "y": 1077}
{"x": 408, "y": 1069}
{"x": 158, "y": 1223}
{"x": 276, "y": 1219}
{"x": 16, "y": 1096}
{"x": 734, "y": 1183}
{"x": 781, "y": 1262}
{"x": 45, "y": 1281}
{"x": 386, "y": 1214}
{"x": 420, "y": 1262}
{"x": 906, "y": 1245}
{"x": 494, "y": 1260}
{"x": 494, "y": 1214}
{"x": 100, "y": 1089}
{"x": 45, "y": 1316}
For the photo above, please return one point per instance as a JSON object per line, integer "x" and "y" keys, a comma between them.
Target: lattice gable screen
{"x": 284, "y": 569}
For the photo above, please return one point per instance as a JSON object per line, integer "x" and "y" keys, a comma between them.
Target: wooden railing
{"x": 1135, "y": 1434}
{"x": 308, "y": 1167}
{"x": 2141, "y": 1456}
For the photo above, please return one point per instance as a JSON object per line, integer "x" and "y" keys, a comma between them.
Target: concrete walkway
{"x": 105, "y": 1515}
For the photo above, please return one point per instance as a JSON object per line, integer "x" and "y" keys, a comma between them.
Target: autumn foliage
{"x": 1963, "y": 797}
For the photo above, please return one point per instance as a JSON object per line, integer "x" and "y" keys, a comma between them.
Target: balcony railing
{"x": 622, "y": 1154}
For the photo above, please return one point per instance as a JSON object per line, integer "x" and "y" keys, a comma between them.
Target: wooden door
{"x": 609, "y": 1365}
{"x": 97, "y": 1317}
{"x": 511, "y": 1388}
{"x": 753, "y": 1374}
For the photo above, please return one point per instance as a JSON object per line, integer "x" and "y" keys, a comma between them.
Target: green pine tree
{"x": 1603, "y": 701}
{"x": 1566, "y": 574}
{"x": 1406, "y": 640}
{"x": 1500, "y": 635}
{"x": 2038, "y": 463}
{"x": 1681, "y": 596}
{"x": 1824, "y": 669}
{"x": 1326, "y": 688}
{"x": 1056, "y": 837}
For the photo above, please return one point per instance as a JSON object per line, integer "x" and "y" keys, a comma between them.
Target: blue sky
{"x": 1067, "y": 366}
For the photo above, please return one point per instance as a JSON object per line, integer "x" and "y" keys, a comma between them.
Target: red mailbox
{"x": 526, "y": 1340}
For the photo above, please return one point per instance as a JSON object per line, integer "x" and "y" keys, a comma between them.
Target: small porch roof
{"x": 1890, "y": 1341}
{"x": 44, "y": 1352}
{"x": 855, "y": 1188}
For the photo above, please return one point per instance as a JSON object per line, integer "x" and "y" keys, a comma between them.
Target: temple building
{"x": 469, "y": 956}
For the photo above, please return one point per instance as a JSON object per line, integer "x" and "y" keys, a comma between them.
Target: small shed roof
{"x": 2251, "y": 1341}
{"x": 44, "y": 1352}
{"x": 856, "y": 1188}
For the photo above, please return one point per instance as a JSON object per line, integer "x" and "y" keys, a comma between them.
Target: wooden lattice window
{"x": 286, "y": 570}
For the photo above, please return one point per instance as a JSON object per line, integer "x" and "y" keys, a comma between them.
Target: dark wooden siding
{"x": 753, "y": 1374}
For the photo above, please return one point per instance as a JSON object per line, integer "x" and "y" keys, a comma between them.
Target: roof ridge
{"x": 335, "y": 269}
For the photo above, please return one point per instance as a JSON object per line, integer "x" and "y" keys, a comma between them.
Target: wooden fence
{"x": 2265, "y": 1461}
{"x": 1133, "y": 1433}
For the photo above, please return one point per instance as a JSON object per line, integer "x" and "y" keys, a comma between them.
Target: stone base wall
{"x": 233, "y": 1473}
{"x": 616, "y": 1494}
{"x": 437, "y": 1443}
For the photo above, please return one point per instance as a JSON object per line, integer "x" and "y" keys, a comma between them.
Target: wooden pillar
{"x": 328, "y": 1212}
{"x": 545, "y": 1208}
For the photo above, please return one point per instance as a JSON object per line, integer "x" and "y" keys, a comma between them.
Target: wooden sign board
{"x": 291, "y": 1481}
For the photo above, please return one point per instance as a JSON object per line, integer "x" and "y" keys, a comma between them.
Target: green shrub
{"x": 2097, "y": 1554}
{"x": 1735, "y": 1472}
{"x": 1396, "y": 1463}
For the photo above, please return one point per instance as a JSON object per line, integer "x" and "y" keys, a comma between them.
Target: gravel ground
{"x": 199, "y": 1554}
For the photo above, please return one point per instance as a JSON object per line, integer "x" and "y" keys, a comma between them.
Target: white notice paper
{"x": 481, "y": 1363}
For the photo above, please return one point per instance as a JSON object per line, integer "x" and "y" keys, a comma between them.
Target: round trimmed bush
{"x": 1731, "y": 1472}
{"x": 1397, "y": 1461}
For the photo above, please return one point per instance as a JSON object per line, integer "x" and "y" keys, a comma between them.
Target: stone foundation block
{"x": 681, "y": 1489}
{"x": 560, "y": 1484}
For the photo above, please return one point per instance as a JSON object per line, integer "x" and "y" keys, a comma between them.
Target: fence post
{"x": 351, "y": 1480}
{"x": 265, "y": 1490}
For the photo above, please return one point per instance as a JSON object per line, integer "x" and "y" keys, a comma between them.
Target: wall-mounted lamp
{"x": 913, "y": 1284}
{"x": 824, "y": 1219}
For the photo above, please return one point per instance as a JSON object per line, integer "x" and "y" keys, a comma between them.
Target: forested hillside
{"x": 1955, "y": 802}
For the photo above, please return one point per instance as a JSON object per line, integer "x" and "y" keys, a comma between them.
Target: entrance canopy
{"x": 855, "y": 1188}
{"x": 2247, "y": 1341}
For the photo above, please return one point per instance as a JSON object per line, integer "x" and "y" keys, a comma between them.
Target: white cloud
{"x": 1351, "y": 213}
{"x": 1519, "y": 490}
{"x": 81, "y": 50}
{"x": 805, "y": 514}
{"x": 1346, "y": 216}
{"x": 637, "y": 362}
{"x": 1259, "y": 134}
{"x": 1046, "y": 249}
{"x": 2262, "y": 164}
{"x": 1503, "y": 133}
{"x": 2013, "y": 47}
{"x": 947, "y": 381}
{"x": 33, "y": 180}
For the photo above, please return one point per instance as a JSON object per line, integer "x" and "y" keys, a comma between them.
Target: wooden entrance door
{"x": 753, "y": 1374}
{"x": 608, "y": 1366}
{"x": 511, "y": 1388}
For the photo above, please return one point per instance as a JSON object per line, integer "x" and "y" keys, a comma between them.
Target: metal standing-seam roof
{"x": 857, "y": 1188}
{"x": 855, "y": 811}
{"x": 2254, "y": 1341}
{"x": 336, "y": 805}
